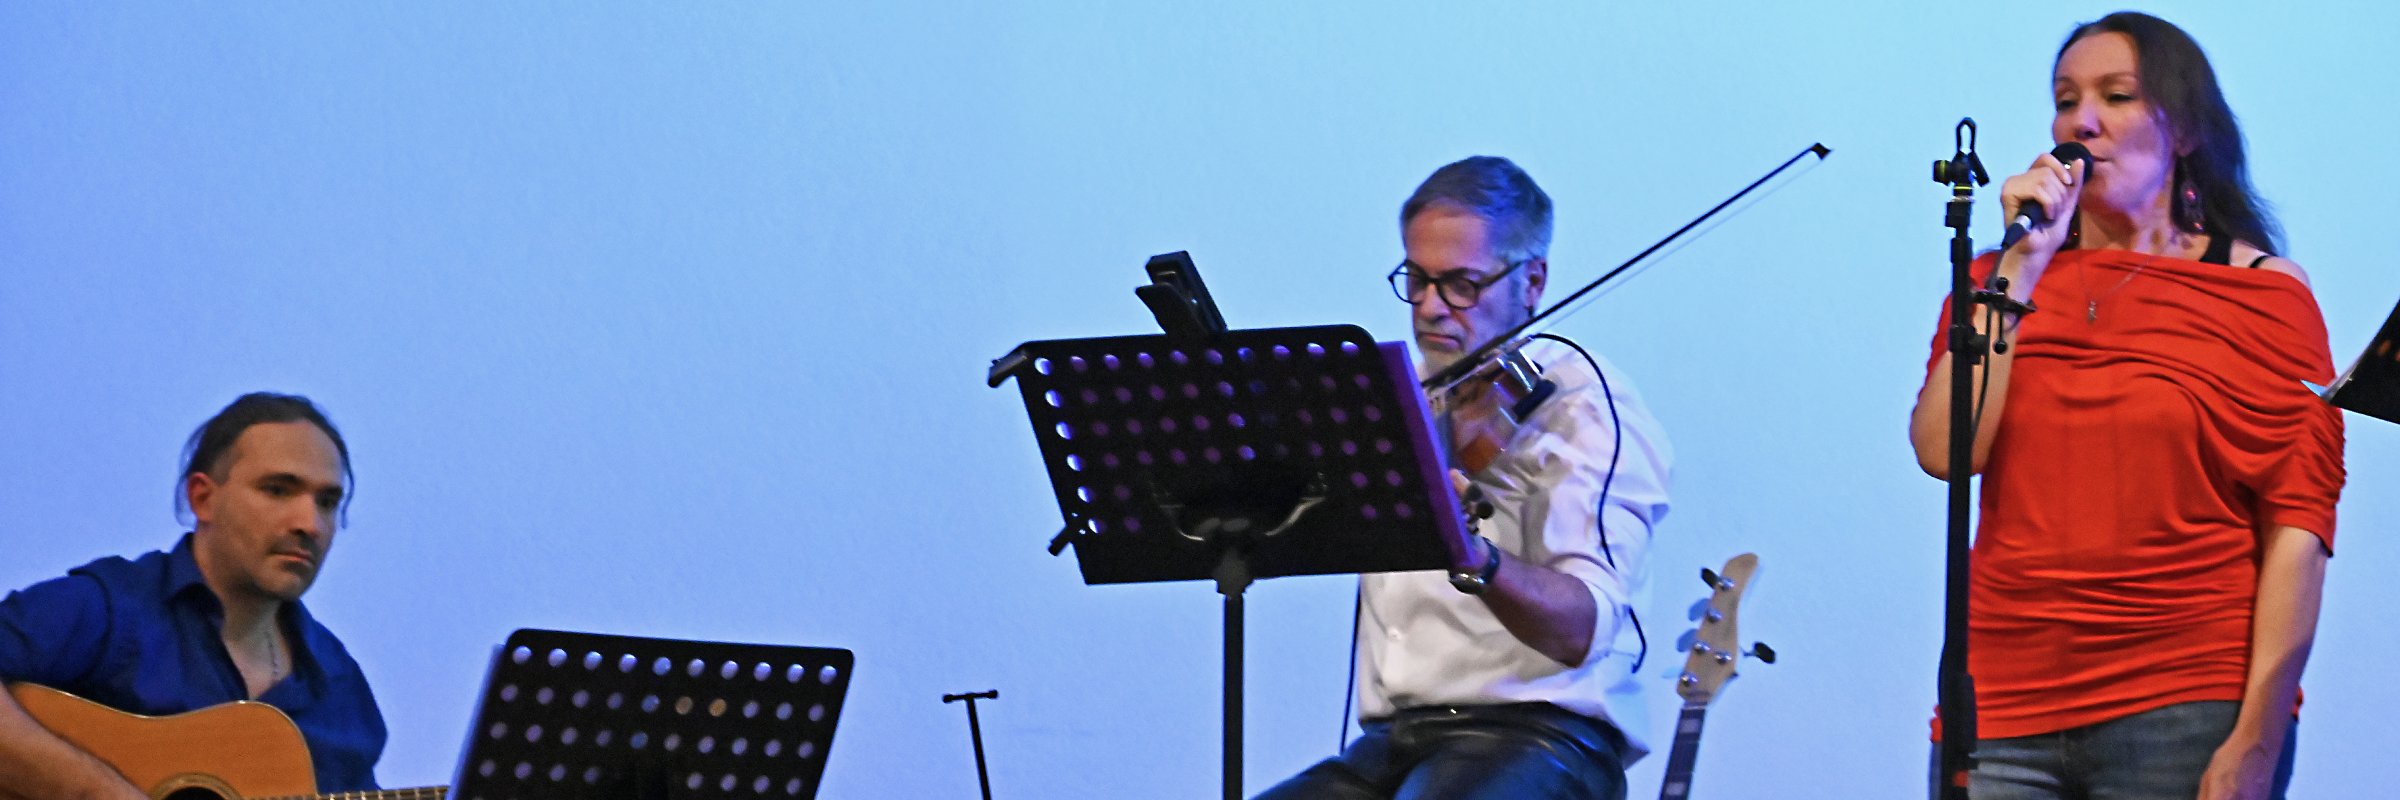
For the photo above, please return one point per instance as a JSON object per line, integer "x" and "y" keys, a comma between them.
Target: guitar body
{"x": 232, "y": 751}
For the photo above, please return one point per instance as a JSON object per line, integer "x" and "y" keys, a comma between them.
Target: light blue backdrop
{"x": 671, "y": 320}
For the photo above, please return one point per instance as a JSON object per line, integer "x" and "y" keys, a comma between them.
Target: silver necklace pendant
{"x": 2091, "y": 311}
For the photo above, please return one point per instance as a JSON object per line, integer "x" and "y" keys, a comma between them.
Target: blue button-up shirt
{"x": 143, "y": 636}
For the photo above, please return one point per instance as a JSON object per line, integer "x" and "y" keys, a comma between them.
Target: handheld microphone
{"x": 2031, "y": 214}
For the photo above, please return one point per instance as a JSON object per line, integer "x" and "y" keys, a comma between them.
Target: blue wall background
{"x": 671, "y": 320}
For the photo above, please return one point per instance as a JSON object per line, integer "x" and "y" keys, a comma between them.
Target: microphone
{"x": 2031, "y": 214}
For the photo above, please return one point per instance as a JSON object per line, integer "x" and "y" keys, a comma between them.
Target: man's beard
{"x": 1437, "y": 360}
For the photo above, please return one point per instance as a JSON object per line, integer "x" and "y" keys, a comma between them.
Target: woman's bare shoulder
{"x": 2245, "y": 254}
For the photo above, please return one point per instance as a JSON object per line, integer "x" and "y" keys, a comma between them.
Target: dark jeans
{"x": 2158, "y": 754}
{"x": 1522, "y": 750}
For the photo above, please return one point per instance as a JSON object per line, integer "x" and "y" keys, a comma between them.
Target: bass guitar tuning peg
{"x": 1762, "y": 652}
{"x": 1714, "y": 581}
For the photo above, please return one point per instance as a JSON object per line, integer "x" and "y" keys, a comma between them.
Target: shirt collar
{"x": 183, "y": 570}
{"x": 185, "y": 581}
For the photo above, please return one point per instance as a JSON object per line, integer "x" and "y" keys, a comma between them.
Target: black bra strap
{"x": 2259, "y": 260}
{"x": 2220, "y": 251}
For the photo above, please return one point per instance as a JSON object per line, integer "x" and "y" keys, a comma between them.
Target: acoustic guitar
{"x": 234, "y": 751}
{"x": 1715, "y": 649}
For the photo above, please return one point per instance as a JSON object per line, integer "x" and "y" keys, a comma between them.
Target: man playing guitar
{"x": 217, "y": 619}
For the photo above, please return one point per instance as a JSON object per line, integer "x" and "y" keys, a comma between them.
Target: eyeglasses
{"x": 1459, "y": 289}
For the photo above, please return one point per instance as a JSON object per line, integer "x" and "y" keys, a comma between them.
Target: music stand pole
{"x": 975, "y": 729}
{"x": 1233, "y": 579}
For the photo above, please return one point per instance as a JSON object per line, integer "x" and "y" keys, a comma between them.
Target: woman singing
{"x": 2158, "y": 492}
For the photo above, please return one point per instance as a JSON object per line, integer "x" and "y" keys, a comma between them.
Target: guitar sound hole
{"x": 194, "y": 793}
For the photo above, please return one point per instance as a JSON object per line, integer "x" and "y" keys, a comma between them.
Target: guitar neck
{"x": 417, "y": 793}
{"x": 1678, "y": 784}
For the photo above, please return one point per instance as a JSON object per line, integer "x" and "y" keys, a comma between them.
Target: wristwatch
{"x": 1475, "y": 582}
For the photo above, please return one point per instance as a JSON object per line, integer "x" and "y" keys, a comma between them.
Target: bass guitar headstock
{"x": 1715, "y": 646}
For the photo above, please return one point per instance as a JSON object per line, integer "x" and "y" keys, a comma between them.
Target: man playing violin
{"x": 216, "y": 619}
{"x": 1515, "y": 675}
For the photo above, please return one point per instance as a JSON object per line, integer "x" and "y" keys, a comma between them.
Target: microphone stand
{"x": 1962, "y": 172}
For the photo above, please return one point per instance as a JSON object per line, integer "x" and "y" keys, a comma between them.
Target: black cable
{"x": 1600, "y": 516}
{"x": 1358, "y": 608}
{"x": 1991, "y": 322}
{"x": 1600, "y": 512}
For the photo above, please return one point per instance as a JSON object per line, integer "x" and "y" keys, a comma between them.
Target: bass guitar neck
{"x": 1678, "y": 784}
{"x": 1714, "y": 648}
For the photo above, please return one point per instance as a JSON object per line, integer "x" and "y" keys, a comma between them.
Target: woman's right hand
{"x": 2056, "y": 186}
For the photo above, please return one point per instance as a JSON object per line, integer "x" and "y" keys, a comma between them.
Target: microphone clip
{"x": 1962, "y": 170}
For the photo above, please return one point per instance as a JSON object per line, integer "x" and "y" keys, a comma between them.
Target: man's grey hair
{"x": 1515, "y": 212}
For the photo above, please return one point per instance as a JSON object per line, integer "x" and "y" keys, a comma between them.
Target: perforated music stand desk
{"x": 1248, "y": 454}
{"x": 586, "y": 716}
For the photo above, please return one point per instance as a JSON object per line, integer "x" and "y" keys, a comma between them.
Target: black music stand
{"x": 1234, "y": 455}
{"x": 2371, "y": 385}
{"x": 586, "y": 716}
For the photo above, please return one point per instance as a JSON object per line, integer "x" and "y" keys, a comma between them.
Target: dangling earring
{"x": 2187, "y": 203}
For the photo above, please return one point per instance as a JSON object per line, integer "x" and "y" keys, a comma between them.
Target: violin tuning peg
{"x": 1762, "y": 652}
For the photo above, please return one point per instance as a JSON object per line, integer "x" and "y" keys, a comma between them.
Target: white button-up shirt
{"x": 1425, "y": 643}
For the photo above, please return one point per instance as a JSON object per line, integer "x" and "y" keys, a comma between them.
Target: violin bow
{"x": 1460, "y": 368}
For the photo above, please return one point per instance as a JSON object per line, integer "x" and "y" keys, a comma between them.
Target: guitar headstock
{"x": 1716, "y": 647}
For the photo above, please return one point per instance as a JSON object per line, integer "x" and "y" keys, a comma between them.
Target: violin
{"x": 1480, "y": 411}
